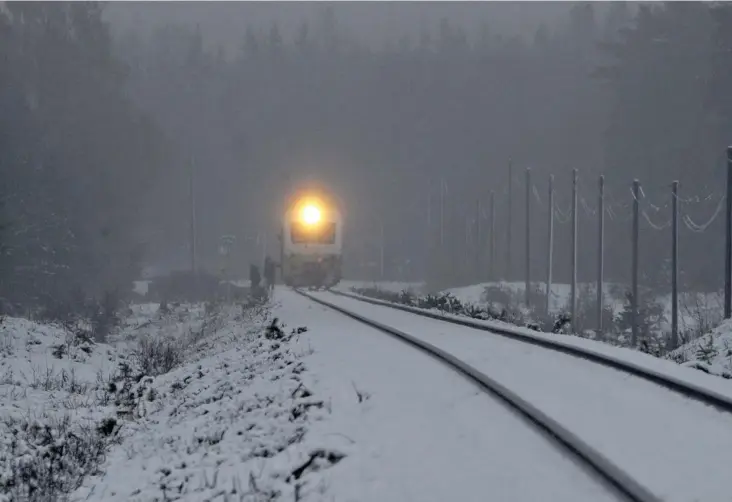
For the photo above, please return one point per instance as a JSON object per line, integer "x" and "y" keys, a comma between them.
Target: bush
{"x": 445, "y": 303}
{"x": 157, "y": 356}
{"x": 649, "y": 317}
{"x": 47, "y": 461}
{"x": 705, "y": 310}
{"x": 499, "y": 300}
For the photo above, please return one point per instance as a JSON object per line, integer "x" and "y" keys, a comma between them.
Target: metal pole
{"x": 491, "y": 265}
{"x": 381, "y": 254}
{"x": 573, "y": 294}
{"x": 509, "y": 222}
{"x": 527, "y": 292}
{"x": 728, "y": 242}
{"x": 429, "y": 213}
{"x": 442, "y": 213}
{"x": 634, "y": 305}
{"x": 600, "y": 253}
{"x": 428, "y": 263}
{"x": 468, "y": 238}
{"x": 674, "y": 265}
{"x": 550, "y": 245}
{"x": 478, "y": 242}
{"x": 192, "y": 236}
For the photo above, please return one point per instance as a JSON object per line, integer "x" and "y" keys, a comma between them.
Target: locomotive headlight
{"x": 310, "y": 215}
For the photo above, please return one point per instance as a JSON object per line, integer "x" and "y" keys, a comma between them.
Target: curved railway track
{"x": 687, "y": 389}
{"x": 625, "y": 485}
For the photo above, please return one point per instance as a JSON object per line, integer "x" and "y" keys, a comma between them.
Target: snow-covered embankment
{"x": 196, "y": 403}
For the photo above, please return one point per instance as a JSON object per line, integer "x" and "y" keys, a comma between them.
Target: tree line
{"x": 632, "y": 93}
{"x": 76, "y": 157}
{"x": 100, "y": 137}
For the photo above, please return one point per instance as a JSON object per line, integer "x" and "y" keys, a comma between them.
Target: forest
{"x": 102, "y": 138}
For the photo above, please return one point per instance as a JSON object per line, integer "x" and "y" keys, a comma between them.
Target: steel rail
{"x": 626, "y": 486}
{"x": 707, "y": 396}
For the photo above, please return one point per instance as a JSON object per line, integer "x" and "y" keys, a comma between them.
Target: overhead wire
{"x": 695, "y": 227}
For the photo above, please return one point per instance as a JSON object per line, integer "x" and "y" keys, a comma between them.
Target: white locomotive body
{"x": 312, "y": 243}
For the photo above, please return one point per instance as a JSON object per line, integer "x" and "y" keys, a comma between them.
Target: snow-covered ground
{"x": 94, "y": 419}
{"x": 694, "y": 309}
{"x": 246, "y": 411}
{"x": 393, "y": 286}
{"x": 230, "y": 424}
{"x": 677, "y": 447}
{"x": 415, "y": 430}
{"x": 218, "y": 403}
{"x": 699, "y": 313}
{"x": 711, "y": 353}
{"x": 55, "y": 398}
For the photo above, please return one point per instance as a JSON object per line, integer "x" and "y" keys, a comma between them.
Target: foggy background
{"x": 372, "y": 23}
{"x": 111, "y": 110}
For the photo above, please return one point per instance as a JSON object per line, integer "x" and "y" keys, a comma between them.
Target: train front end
{"x": 312, "y": 242}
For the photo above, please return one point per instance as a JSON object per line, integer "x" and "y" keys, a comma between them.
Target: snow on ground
{"x": 677, "y": 447}
{"x": 67, "y": 398}
{"x": 334, "y": 412}
{"x": 54, "y": 388}
{"x": 698, "y": 312}
{"x": 662, "y": 366}
{"x": 231, "y": 424}
{"x": 45, "y": 370}
{"x": 205, "y": 403}
{"x": 415, "y": 430}
{"x": 394, "y": 286}
{"x": 141, "y": 287}
{"x": 711, "y": 353}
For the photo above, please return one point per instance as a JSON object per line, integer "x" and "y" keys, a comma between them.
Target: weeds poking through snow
{"x": 318, "y": 459}
{"x": 273, "y": 331}
{"x": 48, "y": 460}
{"x": 361, "y": 395}
{"x": 502, "y": 304}
{"x": 158, "y": 356}
{"x": 200, "y": 411}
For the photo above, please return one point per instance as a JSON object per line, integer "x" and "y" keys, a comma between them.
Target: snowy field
{"x": 204, "y": 403}
{"x": 214, "y": 402}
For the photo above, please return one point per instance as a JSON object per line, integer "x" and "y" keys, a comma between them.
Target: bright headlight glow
{"x": 310, "y": 214}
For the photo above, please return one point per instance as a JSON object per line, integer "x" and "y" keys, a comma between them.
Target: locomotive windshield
{"x": 303, "y": 233}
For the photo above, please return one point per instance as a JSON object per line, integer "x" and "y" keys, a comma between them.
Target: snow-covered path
{"x": 415, "y": 430}
{"x": 677, "y": 447}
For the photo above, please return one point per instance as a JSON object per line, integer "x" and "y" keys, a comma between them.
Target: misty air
{"x": 365, "y": 251}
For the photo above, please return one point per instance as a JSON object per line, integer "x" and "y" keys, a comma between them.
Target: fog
{"x": 119, "y": 123}
{"x": 370, "y": 23}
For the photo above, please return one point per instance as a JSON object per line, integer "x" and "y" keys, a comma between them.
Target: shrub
{"x": 47, "y": 461}
{"x": 156, "y": 356}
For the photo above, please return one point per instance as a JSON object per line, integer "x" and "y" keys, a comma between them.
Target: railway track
{"x": 623, "y": 483}
{"x": 687, "y": 389}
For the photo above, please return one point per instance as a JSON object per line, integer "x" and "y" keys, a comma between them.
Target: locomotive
{"x": 312, "y": 241}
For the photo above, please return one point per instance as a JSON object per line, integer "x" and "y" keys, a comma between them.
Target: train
{"x": 312, "y": 240}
